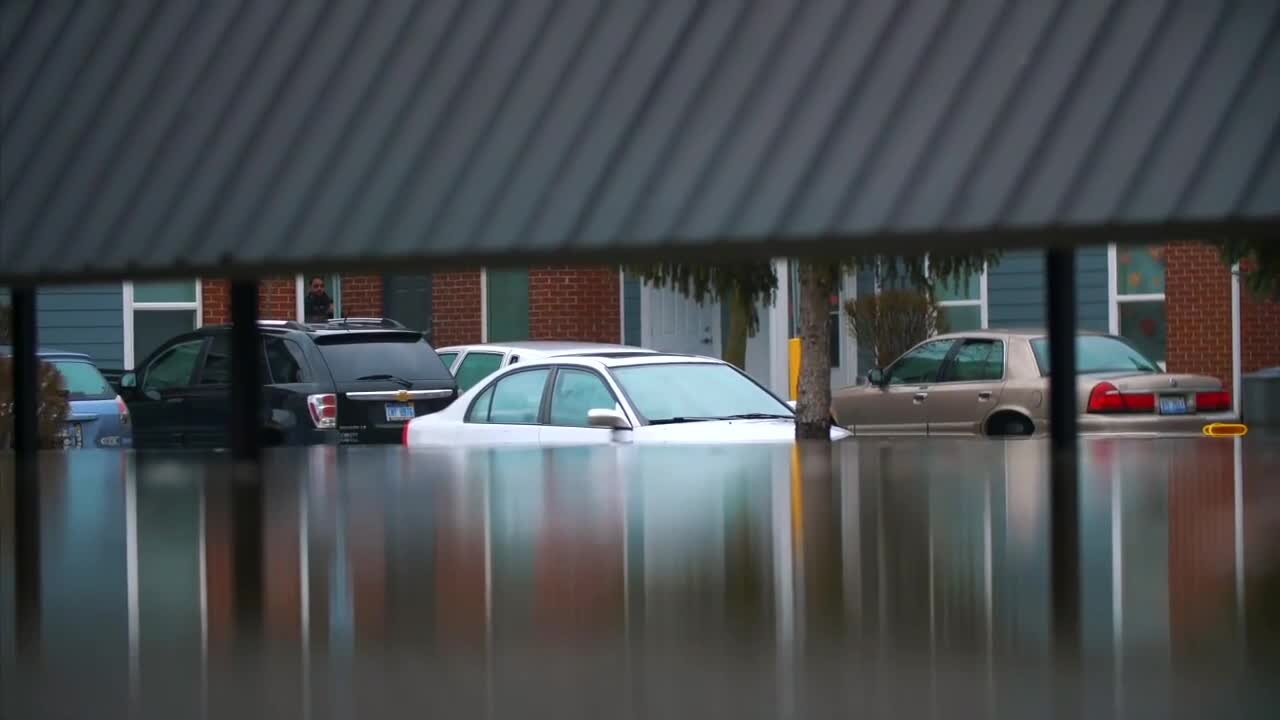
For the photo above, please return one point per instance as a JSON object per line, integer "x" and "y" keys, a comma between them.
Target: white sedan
{"x": 643, "y": 398}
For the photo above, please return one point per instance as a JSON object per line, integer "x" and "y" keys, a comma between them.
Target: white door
{"x": 671, "y": 322}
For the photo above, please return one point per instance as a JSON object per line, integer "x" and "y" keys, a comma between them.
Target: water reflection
{"x": 882, "y": 578}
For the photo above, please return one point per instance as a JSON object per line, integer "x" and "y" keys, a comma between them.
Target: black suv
{"x": 348, "y": 381}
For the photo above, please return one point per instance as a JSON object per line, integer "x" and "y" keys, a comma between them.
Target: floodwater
{"x": 881, "y": 579}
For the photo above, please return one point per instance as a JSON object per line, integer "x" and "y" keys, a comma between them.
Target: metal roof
{"x": 151, "y": 136}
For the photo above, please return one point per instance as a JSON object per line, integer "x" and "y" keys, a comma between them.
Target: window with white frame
{"x": 156, "y": 312}
{"x": 963, "y": 301}
{"x": 330, "y": 285}
{"x": 1138, "y": 297}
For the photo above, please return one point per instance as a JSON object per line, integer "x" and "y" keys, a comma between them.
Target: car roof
{"x": 1022, "y": 333}
{"x": 547, "y": 347}
{"x": 54, "y": 353}
{"x": 616, "y": 360}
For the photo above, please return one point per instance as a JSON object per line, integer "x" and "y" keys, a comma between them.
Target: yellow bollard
{"x": 793, "y": 352}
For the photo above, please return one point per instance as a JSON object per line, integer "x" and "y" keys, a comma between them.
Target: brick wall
{"x": 361, "y": 295}
{"x": 1259, "y": 332}
{"x": 455, "y": 307}
{"x": 1198, "y": 306}
{"x": 574, "y": 303}
{"x": 276, "y": 300}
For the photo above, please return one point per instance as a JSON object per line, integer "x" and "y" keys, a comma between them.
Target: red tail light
{"x": 1107, "y": 398}
{"x": 404, "y": 434}
{"x": 124, "y": 410}
{"x": 324, "y": 411}
{"x": 1216, "y": 401}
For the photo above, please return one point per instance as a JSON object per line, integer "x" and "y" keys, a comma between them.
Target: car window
{"x": 82, "y": 381}
{"x": 1099, "y": 353}
{"x": 475, "y": 367}
{"x": 921, "y": 365}
{"x": 286, "y": 362}
{"x": 174, "y": 367}
{"x": 576, "y": 392}
{"x": 977, "y": 360}
{"x": 380, "y": 355}
{"x": 479, "y": 412}
{"x": 516, "y": 398}
{"x": 664, "y": 391}
{"x": 447, "y": 358}
{"x": 216, "y": 369}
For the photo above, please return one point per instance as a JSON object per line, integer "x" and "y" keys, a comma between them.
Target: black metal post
{"x": 1064, "y": 474}
{"x": 26, "y": 491}
{"x": 246, "y": 383}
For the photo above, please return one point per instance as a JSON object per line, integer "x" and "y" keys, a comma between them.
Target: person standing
{"x": 319, "y": 306}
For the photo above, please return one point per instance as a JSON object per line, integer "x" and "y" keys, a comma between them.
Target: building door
{"x": 674, "y": 323}
{"x": 407, "y": 299}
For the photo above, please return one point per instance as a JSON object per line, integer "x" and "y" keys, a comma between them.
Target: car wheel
{"x": 1010, "y": 425}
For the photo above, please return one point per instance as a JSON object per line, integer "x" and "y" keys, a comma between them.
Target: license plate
{"x": 399, "y": 412}
{"x": 72, "y": 436}
{"x": 1173, "y": 406}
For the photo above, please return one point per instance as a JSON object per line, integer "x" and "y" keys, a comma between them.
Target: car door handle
{"x": 984, "y": 396}
{"x": 173, "y": 400}
{"x": 921, "y": 397}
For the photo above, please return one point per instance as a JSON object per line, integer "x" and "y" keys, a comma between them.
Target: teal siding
{"x": 81, "y": 318}
{"x": 508, "y": 304}
{"x": 1015, "y": 289}
{"x": 631, "y": 288}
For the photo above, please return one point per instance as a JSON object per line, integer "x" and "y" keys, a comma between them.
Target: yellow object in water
{"x": 1229, "y": 430}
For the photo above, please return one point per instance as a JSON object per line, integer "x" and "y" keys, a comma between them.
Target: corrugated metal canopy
{"x": 156, "y": 136}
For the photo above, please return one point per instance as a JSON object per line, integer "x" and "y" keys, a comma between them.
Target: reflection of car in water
{"x": 641, "y": 397}
{"x": 472, "y": 363}
{"x": 350, "y": 380}
{"x": 96, "y": 416}
{"x": 997, "y": 383}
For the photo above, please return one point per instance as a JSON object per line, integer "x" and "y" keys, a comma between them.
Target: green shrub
{"x": 52, "y": 394}
{"x": 891, "y": 322}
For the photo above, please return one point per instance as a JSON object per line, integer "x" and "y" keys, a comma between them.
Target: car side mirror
{"x": 876, "y": 377}
{"x": 611, "y": 419}
{"x": 129, "y": 381}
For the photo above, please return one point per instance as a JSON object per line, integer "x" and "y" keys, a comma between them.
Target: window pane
{"x": 320, "y": 301}
{"x": 173, "y": 368}
{"x": 963, "y": 287}
{"x": 1144, "y": 324}
{"x": 476, "y": 367}
{"x": 365, "y": 356}
{"x": 978, "y": 360}
{"x": 447, "y": 358}
{"x": 216, "y": 369}
{"x": 1098, "y": 353}
{"x": 1140, "y": 269}
{"x": 575, "y": 394}
{"x": 671, "y": 390}
{"x": 164, "y": 292}
{"x": 920, "y": 365}
{"x": 153, "y": 328}
{"x": 962, "y": 318}
{"x": 285, "y": 361}
{"x": 479, "y": 412}
{"x": 517, "y": 398}
{"x": 82, "y": 380}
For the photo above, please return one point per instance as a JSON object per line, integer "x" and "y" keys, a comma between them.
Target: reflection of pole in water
{"x": 1238, "y": 473}
{"x": 131, "y": 580}
{"x": 304, "y": 594}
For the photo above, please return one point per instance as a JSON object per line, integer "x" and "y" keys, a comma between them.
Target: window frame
{"x": 130, "y": 306}
{"x": 549, "y": 394}
{"x": 1116, "y": 298}
{"x": 984, "y": 308}
{"x": 945, "y": 373}
{"x": 332, "y": 285}
{"x": 492, "y": 385}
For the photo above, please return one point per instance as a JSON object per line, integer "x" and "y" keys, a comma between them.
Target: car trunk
{"x": 1179, "y": 389}
{"x": 383, "y": 380}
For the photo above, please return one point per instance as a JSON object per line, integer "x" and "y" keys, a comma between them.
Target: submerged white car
{"x": 472, "y": 363}
{"x": 612, "y": 398}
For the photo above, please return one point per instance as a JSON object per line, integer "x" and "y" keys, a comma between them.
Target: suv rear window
{"x": 362, "y": 356}
{"x": 83, "y": 381}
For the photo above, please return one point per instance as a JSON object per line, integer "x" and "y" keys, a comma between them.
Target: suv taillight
{"x": 1107, "y": 398}
{"x": 404, "y": 434}
{"x": 124, "y": 410}
{"x": 1217, "y": 401}
{"x": 324, "y": 410}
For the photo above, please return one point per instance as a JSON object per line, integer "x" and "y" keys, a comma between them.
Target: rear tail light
{"x": 124, "y": 410}
{"x": 1107, "y": 398}
{"x": 404, "y": 434}
{"x": 324, "y": 411}
{"x": 1216, "y": 401}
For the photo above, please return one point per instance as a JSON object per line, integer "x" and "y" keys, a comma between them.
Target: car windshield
{"x": 383, "y": 356}
{"x": 83, "y": 381}
{"x": 1099, "y": 354}
{"x": 695, "y": 391}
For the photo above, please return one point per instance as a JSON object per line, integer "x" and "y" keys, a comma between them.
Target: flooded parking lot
{"x": 885, "y": 578}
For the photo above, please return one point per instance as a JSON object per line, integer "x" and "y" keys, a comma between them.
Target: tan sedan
{"x": 996, "y": 383}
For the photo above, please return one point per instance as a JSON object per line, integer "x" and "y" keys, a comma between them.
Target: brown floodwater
{"x": 877, "y": 579}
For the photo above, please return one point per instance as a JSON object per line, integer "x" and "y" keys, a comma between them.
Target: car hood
{"x": 725, "y": 431}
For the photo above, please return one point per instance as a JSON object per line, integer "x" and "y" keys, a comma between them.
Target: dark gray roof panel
{"x": 152, "y": 136}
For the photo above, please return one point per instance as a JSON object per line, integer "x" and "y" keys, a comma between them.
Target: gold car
{"x": 996, "y": 383}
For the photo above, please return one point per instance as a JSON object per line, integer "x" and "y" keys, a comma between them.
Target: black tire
{"x": 1010, "y": 426}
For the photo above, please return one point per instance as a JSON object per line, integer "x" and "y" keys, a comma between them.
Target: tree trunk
{"x": 813, "y": 394}
{"x": 735, "y": 346}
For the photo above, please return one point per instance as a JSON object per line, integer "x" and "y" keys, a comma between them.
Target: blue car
{"x": 96, "y": 416}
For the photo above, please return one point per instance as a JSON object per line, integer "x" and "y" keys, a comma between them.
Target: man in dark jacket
{"x": 319, "y": 306}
